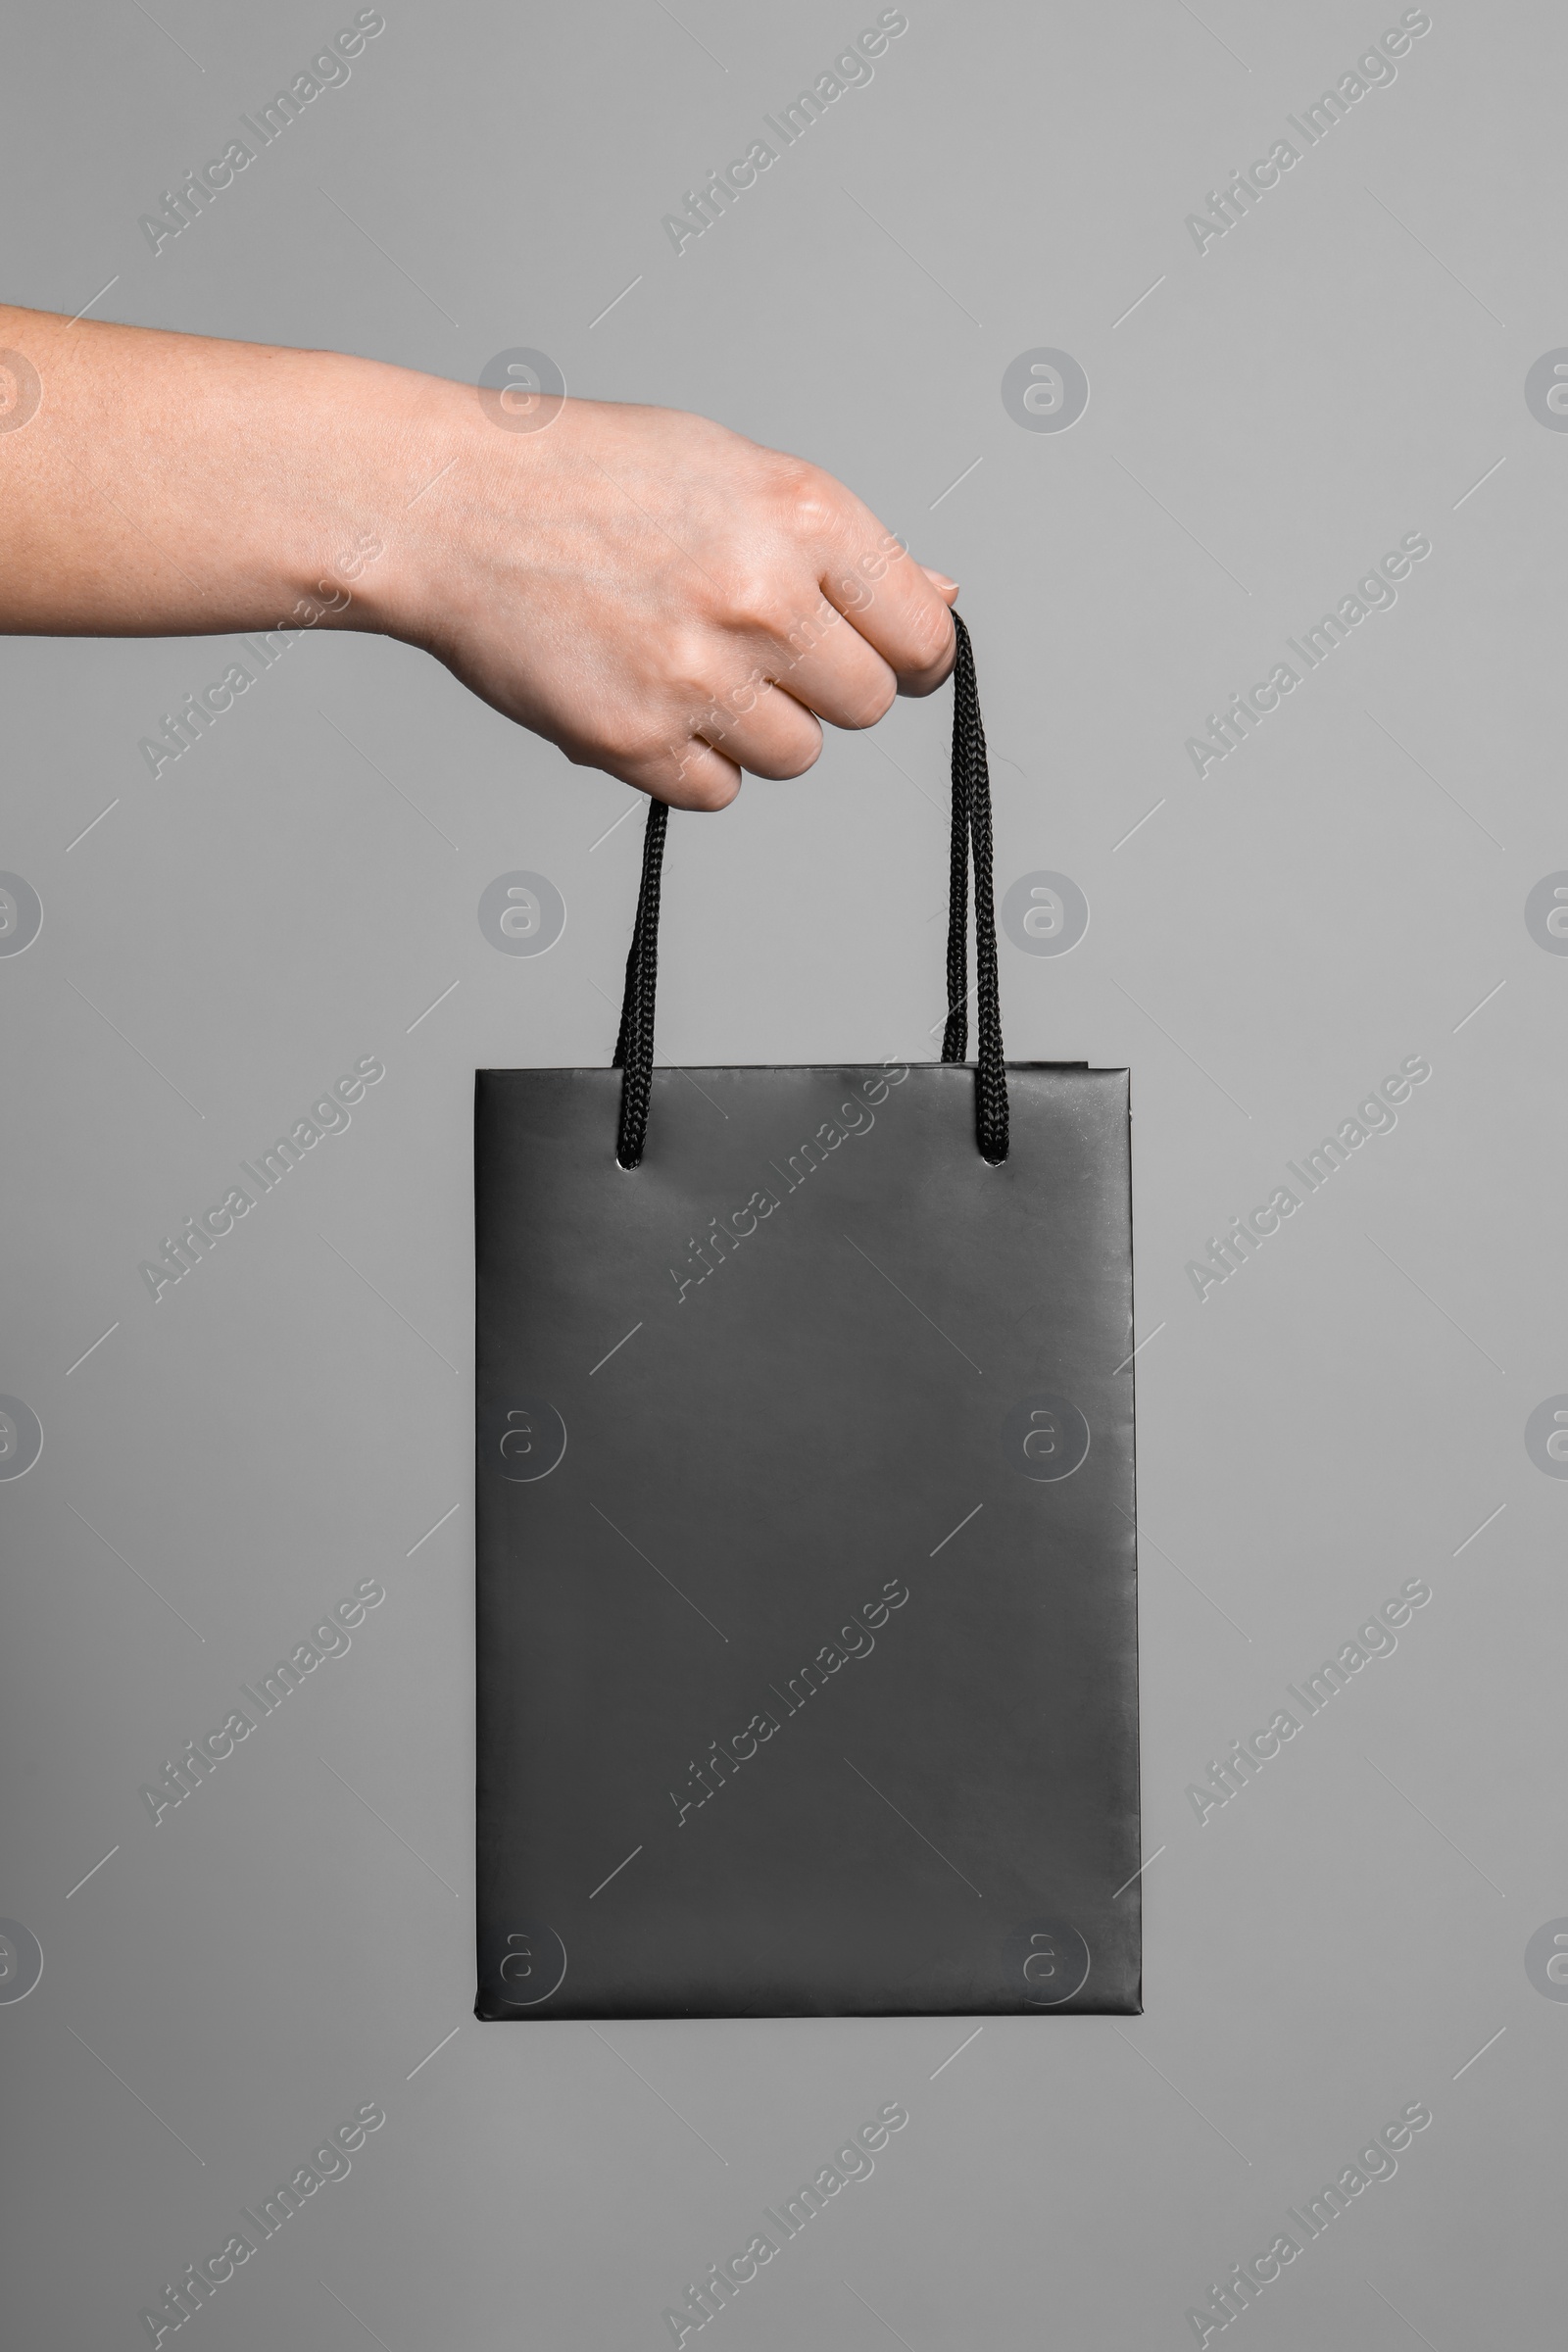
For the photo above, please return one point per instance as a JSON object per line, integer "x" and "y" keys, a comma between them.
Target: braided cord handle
{"x": 971, "y": 833}
{"x": 972, "y": 826}
{"x": 634, "y": 1047}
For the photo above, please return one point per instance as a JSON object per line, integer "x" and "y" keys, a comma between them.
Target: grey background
{"x": 1342, "y": 891}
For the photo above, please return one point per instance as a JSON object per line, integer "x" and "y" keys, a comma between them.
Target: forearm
{"x": 171, "y": 485}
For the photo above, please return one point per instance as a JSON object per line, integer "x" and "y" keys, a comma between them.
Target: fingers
{"x": 765, "y": 722}
{"x": 838, "y": 651}
{"x": 690, "y": 774}
{"x": 829, "y": 666}
{"x": 898, "y": 605}
{"x": 767, "y": 603}
{"x": 697, "y": 777}
{"x": 752, "y": 726}
{"x": 766, "y": 730}
{"x": 898, "y": 608}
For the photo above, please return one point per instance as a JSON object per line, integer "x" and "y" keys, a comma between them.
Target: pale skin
{"x": 661, "y": 597}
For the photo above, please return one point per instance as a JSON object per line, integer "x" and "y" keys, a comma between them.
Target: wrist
{"x": 339, "y": 557}
{"x": 438, "y": 486}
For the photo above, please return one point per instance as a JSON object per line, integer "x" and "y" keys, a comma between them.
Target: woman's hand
{"x": 660, "y": 597}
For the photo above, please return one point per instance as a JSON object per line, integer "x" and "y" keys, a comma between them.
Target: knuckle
{"x": 756, "y": 603}
{"x": 685, "y": 670}
{"x": 810, "y": 501}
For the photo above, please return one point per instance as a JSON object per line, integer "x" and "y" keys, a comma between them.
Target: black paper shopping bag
{"x": 806, "y": 1645}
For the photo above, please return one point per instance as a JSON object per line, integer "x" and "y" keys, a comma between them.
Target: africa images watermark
{"x": 708, "y": 727}
{"x": 856, "y": 1639}
{"x": 1245, "y": 1236}
{"x": 855, "y": 1118}
{"x": 199, "y": 714}
{"x": 1245, "y": 714}
{"x": 852, "y": 69}
{"x": 199, "y": 2282}
{"x": 328, "y": 69}
{"x": 1246, "y": 2281}
{"x": 1229, "y": 206}
{"x": 1245, "y": 1758}
{"x": 200, "y": 1757}
{"x": 328, "y": 1115}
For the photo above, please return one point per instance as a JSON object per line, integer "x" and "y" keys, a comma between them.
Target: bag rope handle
{"x": 971, "y": 833}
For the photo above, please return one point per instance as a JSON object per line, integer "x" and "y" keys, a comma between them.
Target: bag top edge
{"x": 804, "y": 1070}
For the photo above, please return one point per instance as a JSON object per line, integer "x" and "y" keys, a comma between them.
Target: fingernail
{"x": 940, "y": 579}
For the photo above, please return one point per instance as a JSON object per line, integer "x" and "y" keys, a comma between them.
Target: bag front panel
{"x": 805, "y": 1553}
